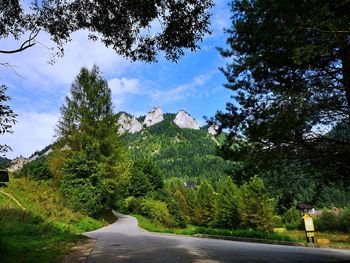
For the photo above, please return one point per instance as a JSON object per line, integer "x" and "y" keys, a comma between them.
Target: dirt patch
{"x": 80, "y": 252}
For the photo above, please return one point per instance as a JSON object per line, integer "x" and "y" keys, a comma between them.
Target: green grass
{"x": 338, "y": 240}
{"x": 46, "y": 230}
{"x": 192, "y": 230}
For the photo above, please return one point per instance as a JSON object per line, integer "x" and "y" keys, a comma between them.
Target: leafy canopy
{"x": 289, "y": 69}
{"x": 135, "y": 29}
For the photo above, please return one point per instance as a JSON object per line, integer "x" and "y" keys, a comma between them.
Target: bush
{"x": 327, "y": 221}
{"x": 82, "y": 195}
{"x": 344, "y": 220}
{"x": 37, "y": 169}
{"x": 156, "y": 211}
{"x": 292, "y": 219}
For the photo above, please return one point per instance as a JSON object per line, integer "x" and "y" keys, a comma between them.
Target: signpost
{"x": 309, "y": 228}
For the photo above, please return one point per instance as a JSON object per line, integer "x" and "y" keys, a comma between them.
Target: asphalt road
{"x": 124, "y": 241}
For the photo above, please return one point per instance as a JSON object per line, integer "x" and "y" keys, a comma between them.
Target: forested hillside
{"x": 185, "y": 153}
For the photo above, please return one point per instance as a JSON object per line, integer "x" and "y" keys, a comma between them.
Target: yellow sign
{"x": 310, "y": 234}
{"x": 309, "y": 223}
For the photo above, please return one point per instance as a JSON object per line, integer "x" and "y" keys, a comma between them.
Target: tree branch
{"x": 26, "y": 44}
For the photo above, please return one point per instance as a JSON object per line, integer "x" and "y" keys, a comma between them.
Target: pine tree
{"x": 227, "y": 206}
{"x": 205, "y": 204}
{"x": 255, "y": 208}
{"x": 96, "y": 161}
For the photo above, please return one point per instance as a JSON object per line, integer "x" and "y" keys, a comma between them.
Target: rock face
{"x": 17, "y": 164}
{"x": 128, "y": 124}
{"x": 213, "y": 130}
{"x": 184, "y": 120}
{"x": 153, "y": 117}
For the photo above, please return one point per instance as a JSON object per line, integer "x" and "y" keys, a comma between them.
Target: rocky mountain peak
{"x": 128, "y": 124}
{"x": 153, "y": 117}
{"x": 184, "y": 120}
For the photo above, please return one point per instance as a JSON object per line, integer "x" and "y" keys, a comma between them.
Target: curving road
{"x": 124, "y": 241}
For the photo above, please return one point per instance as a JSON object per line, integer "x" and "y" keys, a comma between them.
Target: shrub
{"x": 327, "y": 221}
{"x": 37, "y": 169}
{"x": 292, "y": 219}
{"x": 344, "y": 220}
{"x": 82, "y": 195}
{"x": 156, "y": 211}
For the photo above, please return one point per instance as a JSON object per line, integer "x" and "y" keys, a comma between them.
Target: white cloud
{"x": 122, "y": 89}
{"x": 121, "y": 86}
{"x": 181, "y": 92}
{"x": 32, "y": 132}
{"x": 33, "y": 65}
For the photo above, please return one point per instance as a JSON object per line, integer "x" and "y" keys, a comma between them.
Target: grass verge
{"x": 192, "y": 230}
{"x": 46, "y": 230}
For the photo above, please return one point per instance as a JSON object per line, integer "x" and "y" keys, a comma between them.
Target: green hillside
{"x": 42, "y": 228}
{"x": 184, "y": 153}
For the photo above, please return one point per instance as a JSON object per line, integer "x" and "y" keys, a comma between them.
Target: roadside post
{"x": 309, "y": 228}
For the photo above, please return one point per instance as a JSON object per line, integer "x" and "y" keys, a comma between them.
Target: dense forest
{"x": 184, "y": 153}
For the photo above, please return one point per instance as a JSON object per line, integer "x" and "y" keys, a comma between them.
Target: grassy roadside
{"x": 46, "y": 230}
{"x": 192, "y": 230}
{"x": 337, "y": 240}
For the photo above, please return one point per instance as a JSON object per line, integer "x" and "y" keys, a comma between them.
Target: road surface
{"x": 124, "y": 241}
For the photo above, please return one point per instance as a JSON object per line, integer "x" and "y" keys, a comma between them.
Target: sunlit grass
{"x": 46, "y": 230}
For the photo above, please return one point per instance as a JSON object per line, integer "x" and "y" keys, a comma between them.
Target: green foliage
{"x": 47, "y": 230}
{"x": 330, "y": 221}
{"x": 145, "y": 177}
{"x": 4, "y": 163}
{"x": 333, "y": 196}
{"x": 85, "y": 186}
{"x": 37, "y": 169}
{"x": 139, "y": 184}
{"x": 327, "y": 221}
{"x": 255, "y": 208}
{"x": 183, "y": 205}
{"x": 227, "y": 215}
{"x": 289, "y": 71}
{"x": 154, "y": 210}
{"x": 192, "y": 230}
{"x": 175, "y": 211}
{"x": 182, "y": 25}
{"x": 344, "y": 220}
{"x": 205, "y": 208}
{"x": 292, "y": 219}
{"x": 182, "y": 153}
{"x": 95, "y": 165}
{"x": 7, "y": 116}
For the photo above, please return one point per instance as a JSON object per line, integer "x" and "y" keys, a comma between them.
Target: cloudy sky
{"x": 38, "y": 88}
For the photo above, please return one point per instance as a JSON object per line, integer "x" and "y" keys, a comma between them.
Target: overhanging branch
{"x": 26, "y": 44}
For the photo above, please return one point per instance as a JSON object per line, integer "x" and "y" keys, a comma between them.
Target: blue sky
{"x": 37, "y": 88}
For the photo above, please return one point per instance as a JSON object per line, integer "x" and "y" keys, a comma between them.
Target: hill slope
{"x": 179, "y": 152}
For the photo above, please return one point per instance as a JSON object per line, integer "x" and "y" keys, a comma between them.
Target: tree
{"x": 87, "y": 115}
{"x": 7, "y": 117}
{"x": 204, "y": 211}
{"x": 255, "y": 208}
{"x": 129, "y": 27}
{"x": 227, "y": 207}
{"x": 95, "y": 162}
{"x": 290, "y": 72}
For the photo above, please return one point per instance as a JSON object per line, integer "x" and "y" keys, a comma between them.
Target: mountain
{"x": 176, "y": 143}
{"x": 178, "y": 146}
